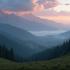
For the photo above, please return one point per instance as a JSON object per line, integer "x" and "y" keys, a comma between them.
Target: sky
{"x": 56, "y": 10}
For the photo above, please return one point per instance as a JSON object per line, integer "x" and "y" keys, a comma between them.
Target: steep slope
{"x": 20, "y": 40}
{"x": 29, "y": 22}
{"x": 53, "y": 52}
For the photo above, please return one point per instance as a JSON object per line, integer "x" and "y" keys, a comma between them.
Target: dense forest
{"x": 52, "y": 52}
{"x": 7, "y": 53}
{"x": 44, "y": 55}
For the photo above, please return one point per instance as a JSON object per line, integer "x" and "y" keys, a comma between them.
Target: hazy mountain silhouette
{"x": 29, "y": 22}
{"x": 20, "y": 40}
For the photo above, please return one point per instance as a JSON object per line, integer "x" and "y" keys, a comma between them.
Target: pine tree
{"x": 7, "y": 53}
{"x": 12, "y": 57}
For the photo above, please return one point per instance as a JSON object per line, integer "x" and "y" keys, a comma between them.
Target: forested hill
{"x": 7, "y": 53}
{"x": 52, "y": 52}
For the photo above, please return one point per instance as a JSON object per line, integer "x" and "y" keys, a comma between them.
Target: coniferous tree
{"x": 7, "y": 53}
{"x": 12, "y": 57}
{"x": 53, "y": 52}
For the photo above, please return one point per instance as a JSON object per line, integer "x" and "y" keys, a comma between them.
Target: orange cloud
{"x": 60, "y": 19}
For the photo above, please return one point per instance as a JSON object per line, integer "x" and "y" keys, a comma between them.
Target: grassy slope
{"x": 8, "y": 65}
{"x": 62, "y": 63}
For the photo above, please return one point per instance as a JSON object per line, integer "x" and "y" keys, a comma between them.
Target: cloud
{"x": 40, "y": 5}
{"x": 26, "y": 4}
{"x": 16, "y": 4}
{"x": 36, "y": 6}
{"x": 48, "y": 3}
{"x": 20, "y": 6}
{"x": 17, "y": 7}
{"x": 18, "y": 13}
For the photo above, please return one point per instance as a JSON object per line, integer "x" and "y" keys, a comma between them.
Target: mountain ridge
{"x": 31, "y": 24}
{"x": 19, "y": 39}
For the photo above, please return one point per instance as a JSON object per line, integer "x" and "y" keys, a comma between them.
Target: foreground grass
{"x": 62, "y": 63}
{"x": 8, "y": 65}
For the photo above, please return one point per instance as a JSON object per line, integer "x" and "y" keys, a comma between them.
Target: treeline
{"x": 7, "y": 53}
{"x": 45, "y": 55}
{"x": 53, "y": 52}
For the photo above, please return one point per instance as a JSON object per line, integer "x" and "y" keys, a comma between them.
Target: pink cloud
{"x": 50, "y": 4}
{"x": 18, "y": 13}
{"x": 35, "y": 6}
{"x": 40, "y": 5}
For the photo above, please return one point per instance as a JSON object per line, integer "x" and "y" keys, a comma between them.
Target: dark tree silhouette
{"x": 7, "y": 53}
{"x": 53, "y": 52}
{"x": 12, "y": 56}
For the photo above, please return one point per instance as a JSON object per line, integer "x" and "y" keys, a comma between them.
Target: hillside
{"x": 20, "y": 40}
{"x": 53, "y": 52}
{"x": 62, "y": 63}
{"x": 61, "y": 60}
{"x": 8, "y": 65}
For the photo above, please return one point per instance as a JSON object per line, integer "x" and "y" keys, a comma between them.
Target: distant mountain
{"x": 20, "y": 40}
{"x": 66, "y": 35}
{"x": 51, "y": 40}
{"x": 48, "y": 23}
{"x": 54, "y": 40}
{"x": 29, "y": 22}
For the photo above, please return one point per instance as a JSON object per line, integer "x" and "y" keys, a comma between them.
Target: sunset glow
{"x": 61, "y": 13}
{"x": 60, "y": 9}
{"x": 34, "y": 34}
{"x": 60, "y": 19}
{"x": 18, "y": 13}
